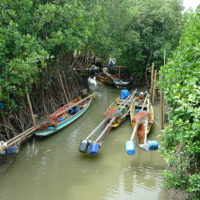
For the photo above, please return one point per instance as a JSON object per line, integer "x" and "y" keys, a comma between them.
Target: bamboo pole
{"x": 21, "y": 137}
{"x": 30, "y": 105}
{"x": 154, "y": 86}
{"x": 62, "y": 86}
{"x": 26, "y": 132}
{"x": 152, "y": 73}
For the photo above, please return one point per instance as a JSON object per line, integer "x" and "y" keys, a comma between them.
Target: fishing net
{"x": 121, "y": 109}
{"x": 51, "y": 120}
{"x": 109, "y": 112}
{"x": 141, "y": 117}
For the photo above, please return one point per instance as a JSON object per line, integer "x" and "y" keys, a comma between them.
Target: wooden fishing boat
{"x": 111, "y": 79}
{"x": 105, "y": 78}
{"x": 64, "y": 116}
{"x": 113, "y": 117}
{"x": 124, "y": 109}
{"x": 142, "y": 117}
{"x": 134, "y": 109}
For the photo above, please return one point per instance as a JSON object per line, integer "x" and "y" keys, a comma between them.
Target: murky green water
{"x": 53, "y": 168}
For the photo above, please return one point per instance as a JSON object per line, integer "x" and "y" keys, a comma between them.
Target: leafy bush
{"x": 181, "y": 88}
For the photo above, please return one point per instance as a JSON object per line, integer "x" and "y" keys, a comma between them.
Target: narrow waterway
{"x": 53, "y": 168}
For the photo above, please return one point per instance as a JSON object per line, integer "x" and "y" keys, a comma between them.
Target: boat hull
{"x": 121, "y": 119}
{"x": 51, "y": 130}
{"x": 112, "y": 80}
{"x": 141, "y": 130}
{"x": 105, "y": 79}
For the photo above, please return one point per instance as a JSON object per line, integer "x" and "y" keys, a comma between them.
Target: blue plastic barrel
{"x": 12, "y": 150}
{"x": 94, "y": 149}
{"x": 130, "y": 148}
{"x": 153, "y": 145}
{"x": 124, "y": 94}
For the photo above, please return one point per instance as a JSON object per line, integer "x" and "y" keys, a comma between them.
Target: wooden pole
{"x": 161, "y": 109}
{"x": 30, "y": 130}
{"x": 119, "y": 72}
{"x": 67, "y": 88}
{"x": 30, "y": 105}
{"x": 62, "y": 86}
{"x": 164, "y": 57}
{"x": 152, "y": 73}
{"x": 154, "y": 86}
{"x": 162, "y": 100}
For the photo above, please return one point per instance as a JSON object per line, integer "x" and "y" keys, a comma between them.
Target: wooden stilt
{"x": 30, "y": 105}
{"x": 162, "y": 100}
{"x": 164, "y": 57}
{"x": 152, "y": 73}
{"x": 161, "y": 110}
{"x": 62, "y": 86}
{"x": 66, "y": 86}
{"x": 154, "y": 86}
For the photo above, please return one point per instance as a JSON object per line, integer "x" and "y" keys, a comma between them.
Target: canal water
{"x": 53, "y": 168}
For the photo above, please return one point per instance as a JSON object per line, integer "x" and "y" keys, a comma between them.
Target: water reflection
{"x": 92, "y": 81}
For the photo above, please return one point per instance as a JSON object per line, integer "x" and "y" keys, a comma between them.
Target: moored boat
{"x": 142, "y": 117}
{"x": 111, "y": 79}
{"x": 135, "y": 108}
{"x": 105, "y": 78}
{"x": 64, "y": 116}
{"x": 113, "y": 117}
{"x": 124, "y": 107}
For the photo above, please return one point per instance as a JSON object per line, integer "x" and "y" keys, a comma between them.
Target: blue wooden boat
{"x": 64, "y": 116}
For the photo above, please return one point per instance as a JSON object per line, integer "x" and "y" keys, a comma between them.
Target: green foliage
{"x": 137, "y": 32}
{"x": 32, "y": 34}
{"x": 181, "y": 88}
{"x": 36, "y": 32}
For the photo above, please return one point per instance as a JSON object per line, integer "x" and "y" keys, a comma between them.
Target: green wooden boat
{"x": 64, "y": 116}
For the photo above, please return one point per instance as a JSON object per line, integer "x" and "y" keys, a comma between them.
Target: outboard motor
{"x": 130, "y": 148}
